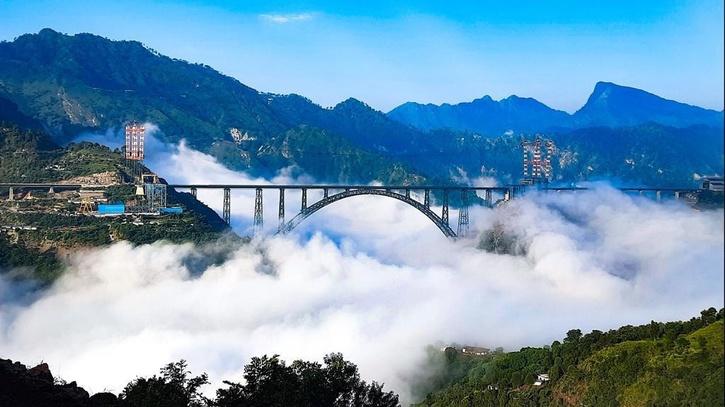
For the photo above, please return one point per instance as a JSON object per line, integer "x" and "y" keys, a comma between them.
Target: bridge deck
{"x": 334, "y": 186}
{"x": 342, "y": 186}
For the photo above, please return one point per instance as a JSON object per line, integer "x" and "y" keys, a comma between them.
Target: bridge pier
{"x": 426, "y": 198}
{"x": 11, "y": 194}
{"x": 325, "y": 192}
{"x": 463, "y": 215}
{"x": 281, "y": 209}
{"x": 677, "y": 195}
{"x": 193, "y": 191}
{"x": 659, "y": 195}
{"x": 226, "y": 211}
{"x": 407, "y": 193}
{"x": 489, "y": 198}
{"x": 304, "y": 198}
{"x": 444, "y": 211}
{"x": 258, "y": 211}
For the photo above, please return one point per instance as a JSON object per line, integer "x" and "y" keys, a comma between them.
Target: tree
{"x": 272, "y": 383}
{"x": 573, "y": 335}
{"x": 174, "y": 388}
{"x": 709, "y": 315}
{"x": 516, "y": 379}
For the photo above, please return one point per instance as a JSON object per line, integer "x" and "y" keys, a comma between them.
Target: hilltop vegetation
{"x": 31, "y": 156}
{"x": 658, "y": 364}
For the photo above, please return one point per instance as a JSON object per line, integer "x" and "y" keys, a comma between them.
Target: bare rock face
{"x": 20, "y": 387}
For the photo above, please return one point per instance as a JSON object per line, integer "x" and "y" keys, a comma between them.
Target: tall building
{"x": 536, "y": 155}
{"x": 134, "y": 141}
{"x": 134, "y": 150}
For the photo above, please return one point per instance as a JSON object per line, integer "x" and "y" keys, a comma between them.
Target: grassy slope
{"x": 687, "y": 371}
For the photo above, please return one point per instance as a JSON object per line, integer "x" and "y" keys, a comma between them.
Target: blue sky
{"x": 386, "y": 53}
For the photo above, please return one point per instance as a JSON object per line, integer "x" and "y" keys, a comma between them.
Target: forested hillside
{"x": 658, "y": 364}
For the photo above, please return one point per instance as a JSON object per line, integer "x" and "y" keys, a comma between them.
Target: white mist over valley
{"x": 369, "y": 277}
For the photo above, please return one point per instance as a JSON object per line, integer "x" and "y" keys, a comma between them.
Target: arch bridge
{"x": 463, "y": 195}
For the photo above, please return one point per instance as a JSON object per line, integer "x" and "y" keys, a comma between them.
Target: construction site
{"x": 88, "y": 195}
{"x": 132, "y": 190}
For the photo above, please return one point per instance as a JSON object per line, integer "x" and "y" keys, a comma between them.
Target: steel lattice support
{"x": 444, "y": 212}
{"x": 463, "y": 215}
{"x": 281, "y": 209}
{"x": 227, "y": 206}
{"x": 426, "y": 198}
{"x": 304, "y": 198}
{"x": 258, "y": 211}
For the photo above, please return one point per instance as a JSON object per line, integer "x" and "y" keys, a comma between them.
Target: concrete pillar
{"x": 11, "y": 194}
{"x": 659, "y": 196}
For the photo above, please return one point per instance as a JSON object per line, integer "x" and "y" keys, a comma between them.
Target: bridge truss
{"x": 334, "y": 193}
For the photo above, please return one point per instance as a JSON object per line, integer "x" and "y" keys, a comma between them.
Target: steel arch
{"x": 444, "y": 227}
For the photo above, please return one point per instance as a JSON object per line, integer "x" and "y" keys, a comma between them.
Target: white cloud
{"x": 370, "y": 277}
{"x": 287, "y": 18}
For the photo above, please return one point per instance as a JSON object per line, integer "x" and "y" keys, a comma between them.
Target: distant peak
{"x": 351, "y": 102}
{"x": 49, "y": 32}
{"x": 485, "y": 98}
{"x": 608, "y": 87}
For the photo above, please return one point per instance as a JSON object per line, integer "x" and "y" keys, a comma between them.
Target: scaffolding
{"x": 134, "y": 148}
{"x": 536, "y": 156}
{"x": 155, "y": 195}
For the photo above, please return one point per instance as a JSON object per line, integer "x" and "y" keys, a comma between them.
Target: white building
{"x": 713, "y": 184}
{"x": 541, "y": 378}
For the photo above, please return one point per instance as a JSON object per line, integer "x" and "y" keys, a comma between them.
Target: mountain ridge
{"x": 631, "y": 107}
{"x": 66, "y": 85}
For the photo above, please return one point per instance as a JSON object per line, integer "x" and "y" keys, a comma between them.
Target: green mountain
{"x": 614, "y": 106}
{"x": 85, "y": 82}
{"x": 66, "y": 84}
{"x": 658, "y": 364}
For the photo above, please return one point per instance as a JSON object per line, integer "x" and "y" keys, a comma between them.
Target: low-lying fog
{"x": 369, "y": 277}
